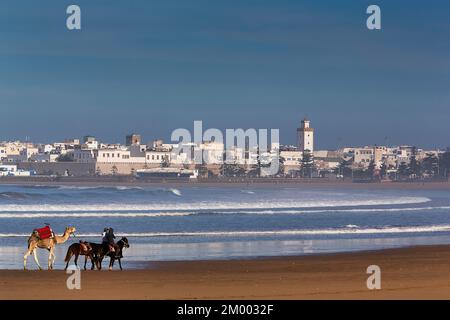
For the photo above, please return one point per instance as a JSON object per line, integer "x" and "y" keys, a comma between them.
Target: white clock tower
{"x": 305, "y": 136}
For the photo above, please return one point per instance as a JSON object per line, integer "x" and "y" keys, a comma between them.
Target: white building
{"x": 3, "y": 154}
{"x": 46, "y": 148}
{"x": 6, "y": 170}
{"x": 117, "y": 156}
{"x": 212, "y": 152}
{"x": 27, "y": 153}
{"x": 363, "y": 156}
{"x": 44, "y": 157}
{"x": 305, "y": 136}
{"x": 157, "y": 157}
{"x": 84, "y": 155}
{"x": 291, "y": 160}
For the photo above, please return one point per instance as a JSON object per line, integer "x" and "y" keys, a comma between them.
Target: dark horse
{"x": 76, "y": 249}
{"x": 102, "y": 250}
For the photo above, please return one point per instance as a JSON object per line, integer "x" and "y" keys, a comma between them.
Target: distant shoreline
{"x": 234, "y": 182}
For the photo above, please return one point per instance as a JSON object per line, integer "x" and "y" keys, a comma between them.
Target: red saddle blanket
{"x": 44, "y": 233}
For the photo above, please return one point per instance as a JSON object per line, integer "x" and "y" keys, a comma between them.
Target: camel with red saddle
{"x": 45, "y": 239}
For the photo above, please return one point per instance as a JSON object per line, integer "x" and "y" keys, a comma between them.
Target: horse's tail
{"x": 68, "y": 254}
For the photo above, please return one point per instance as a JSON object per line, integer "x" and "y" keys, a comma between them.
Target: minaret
{"x": 305, "y": 136}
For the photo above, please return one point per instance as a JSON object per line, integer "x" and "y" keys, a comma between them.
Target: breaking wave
{"x": 64, "y": 192}
{"x": 138, "y": 214}
{"x": 337, "y": 231}
{"x": 10, "y": 195}
{"x": 264, "y": 206}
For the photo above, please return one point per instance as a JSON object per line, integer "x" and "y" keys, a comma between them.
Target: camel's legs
{"x": 25, "y": 256}
{"x": 36, "y": 259}
{"x": 31, "y": 248}
{"x": 53, "y": 259}
{"x": 50, "y": 258}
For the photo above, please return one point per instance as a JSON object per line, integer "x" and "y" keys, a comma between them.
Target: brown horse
{"x": 82, "y": 248}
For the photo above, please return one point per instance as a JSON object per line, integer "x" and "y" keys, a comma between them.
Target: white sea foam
{"x": 93, "y": 215}
{"x": 339, "y": 231}
{"x": 298, "y": 211}
{"x": 121, "y": 188}
{"x": 175, "y": 192}
{"x": 211, "y": 205}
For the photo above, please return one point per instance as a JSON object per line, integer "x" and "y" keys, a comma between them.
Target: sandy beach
{"x": 407, "y": 273}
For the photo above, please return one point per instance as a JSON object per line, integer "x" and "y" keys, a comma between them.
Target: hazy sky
{"x": 153, "y": 66}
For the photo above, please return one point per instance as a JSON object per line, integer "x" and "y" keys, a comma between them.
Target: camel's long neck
{"x": 63, "y": 238}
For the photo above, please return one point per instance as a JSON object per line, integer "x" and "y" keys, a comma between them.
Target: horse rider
{"x": 108, "y": 239}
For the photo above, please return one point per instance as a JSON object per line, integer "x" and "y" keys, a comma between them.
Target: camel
{"x": 34, "y": 242}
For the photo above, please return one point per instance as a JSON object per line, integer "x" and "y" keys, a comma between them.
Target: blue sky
{"x": 153, "y": 66}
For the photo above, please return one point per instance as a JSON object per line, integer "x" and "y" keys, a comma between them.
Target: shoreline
{"x": 419, "y": 272}
{"x": 242, "y": 183}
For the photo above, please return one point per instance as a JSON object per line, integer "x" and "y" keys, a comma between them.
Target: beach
{"x": 407, "y": 273}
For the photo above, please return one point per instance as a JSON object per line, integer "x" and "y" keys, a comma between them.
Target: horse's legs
{"x": 99, "y": 263}
{"x": 69, "y": 255}
{"x": 120, "y": 264}
{"x": 67, "y": 264}
{"x": 36, "y": 259}
{"x": 85, "y": 261}
{"x": 76, "y": 259}
{"x": 93, "y": 260}
{"x": 111, "y": 263}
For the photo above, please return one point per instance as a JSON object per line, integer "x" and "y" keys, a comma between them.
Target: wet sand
{"x": 408, "y": 273}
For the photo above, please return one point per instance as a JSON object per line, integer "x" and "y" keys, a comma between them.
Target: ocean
{"x": 223, "y": 222}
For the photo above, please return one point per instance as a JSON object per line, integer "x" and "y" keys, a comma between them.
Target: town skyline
{"x": 291, "y": 140}
{"x": 248, "y": 153}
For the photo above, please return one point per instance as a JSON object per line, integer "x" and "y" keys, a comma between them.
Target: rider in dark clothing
{"x": 108, "y": 238}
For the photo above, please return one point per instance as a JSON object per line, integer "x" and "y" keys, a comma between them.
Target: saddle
{"x": 84, "y": 246}
{"x": 44, "y": 233}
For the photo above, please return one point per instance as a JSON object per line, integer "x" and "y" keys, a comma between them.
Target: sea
{"x": 198, "y": 222}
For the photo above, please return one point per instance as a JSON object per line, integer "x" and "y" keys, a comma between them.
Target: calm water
{"x": 224, "y": 222}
